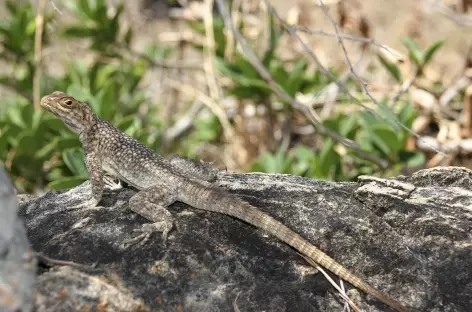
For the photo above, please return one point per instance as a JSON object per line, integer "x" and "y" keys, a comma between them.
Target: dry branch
{"x": 277, "y": 89}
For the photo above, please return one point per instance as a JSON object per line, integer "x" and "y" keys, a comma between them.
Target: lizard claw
{"x": 90, "y": 203}
{"x": 112, "y": 183}
{"x": 139, "y": 240}
{"x": 146, "y": 230}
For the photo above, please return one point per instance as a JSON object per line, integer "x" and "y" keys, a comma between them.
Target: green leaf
{"x": 197, "y": 26}
{"x": 296, "y": 77}
{"x": 333, "y": 123}
{"x": 347, "y": 126}
{"x": 279, "y": 74}
{"x": 273, "y": 41}
{"x": 279, "y": 162}
{"x": 79, "y": 93}
{"x": 378, "y": 142}
{"x": 247, "y": 93}
{"x": 391, "y": 140}
{"x": 67, "y": 183}
{"x": 432, "y": 50}
{"x": 364, "y": 141}
{"x": 391, "y": 68}
{"x": 28, "y": 144}
{"x": 414, "y": 51}
{"x": 412, "y": 159}
{"x": 68, "y": 142}
{"x": 12, "y": 7}
{"x": 241, "y": 79}
{"x": 367, "y": 119}
{"x": 4, "y": 134}
{"x": 74, "y": 160}
{"x": 244, "y": 67}
{"x": 126, "y": 122}
{"x": 76, "y": 75}
{"x": 115, "y": 21}
{"x": 128, "y": 37}
{"x": 207, "y": 129}
{"x": 105, "y": 74}
{"x": 79, "y": 31}
{"x": 85, "y": 8}
{"x": 52, "y": 124}
{"x": 107, "y": 102}
{"x": 30, "y": 27}
{"x": 328, "y": 159}
{"x": 15, "y": 117}
{"x": 100, "y": 13}
{"x": 37, "y": 119}
{"x": 47, "y": 150}
{"x": 304, "y": 159}
{"x": 27, "y": 115}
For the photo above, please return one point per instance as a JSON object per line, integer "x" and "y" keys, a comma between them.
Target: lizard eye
{"x": 68, "y": 102}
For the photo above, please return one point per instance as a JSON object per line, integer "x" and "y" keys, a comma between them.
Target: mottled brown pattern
{"x": 163, "y": 181}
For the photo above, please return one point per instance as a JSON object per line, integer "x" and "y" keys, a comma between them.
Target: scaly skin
{"x": 163, "y": 182}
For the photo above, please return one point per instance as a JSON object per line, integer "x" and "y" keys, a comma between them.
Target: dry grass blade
{"x": 216, "y": 109}
{"x": 342, "y": 293}
{"x": 38, "y": 38}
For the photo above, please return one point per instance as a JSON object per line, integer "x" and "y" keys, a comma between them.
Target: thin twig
{"x": 351, "y": 67}
{"x": 216, "y": 109}
{"x": 51, "y": 262}
{"x": 210, "y": 73}
{"x": 364, "y": 84}
{"x": 38, "y": 38}
{"x": 159, "y": 63}
{"x": 453, "y": 90}
{"x": 397, "y": 55}
{"x": 277, "y": 89}
{"x": 55, "y": 7}
{"x": 459, "y": 19}
{"x": 183, "y": 124}
{"x": 326, "y": 72}
{"x": 332, "y": 282}
{"x": 235, "y": 305}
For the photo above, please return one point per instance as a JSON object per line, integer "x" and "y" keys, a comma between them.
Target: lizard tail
{"x": 212, "y": 199}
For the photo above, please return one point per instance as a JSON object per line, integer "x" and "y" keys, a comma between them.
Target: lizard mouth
{"x": 47, "y": 106}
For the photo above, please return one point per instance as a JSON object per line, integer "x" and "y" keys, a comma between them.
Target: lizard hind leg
{"x": 152, "y": 203}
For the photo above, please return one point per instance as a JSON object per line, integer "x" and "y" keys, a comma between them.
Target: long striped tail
{"x": 212, "y": 199}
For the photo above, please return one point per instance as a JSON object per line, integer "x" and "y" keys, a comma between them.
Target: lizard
{"x": 161, "y": 182}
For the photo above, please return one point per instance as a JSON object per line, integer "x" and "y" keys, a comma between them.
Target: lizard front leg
{"x": 152, "y": 204}
{"x": 94, "y": 168}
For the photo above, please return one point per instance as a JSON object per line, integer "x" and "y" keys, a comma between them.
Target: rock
{"x": 17, "y": 262}
{"x": 410, "y": 237}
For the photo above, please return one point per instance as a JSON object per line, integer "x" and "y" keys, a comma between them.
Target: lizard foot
{"x": 87, "y": 204}
{"x": 146, "y": 230}
{"x": 112, "y": 183}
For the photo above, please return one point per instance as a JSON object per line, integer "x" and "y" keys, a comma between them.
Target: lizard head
{"x": 76, "y": 115}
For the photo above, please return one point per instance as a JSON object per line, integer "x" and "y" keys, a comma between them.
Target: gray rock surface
{"x": 17, "y": 262}
{"x": 410, "y": 237}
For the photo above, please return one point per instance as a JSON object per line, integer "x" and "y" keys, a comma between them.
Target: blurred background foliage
{"x": 262, "y": 133}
